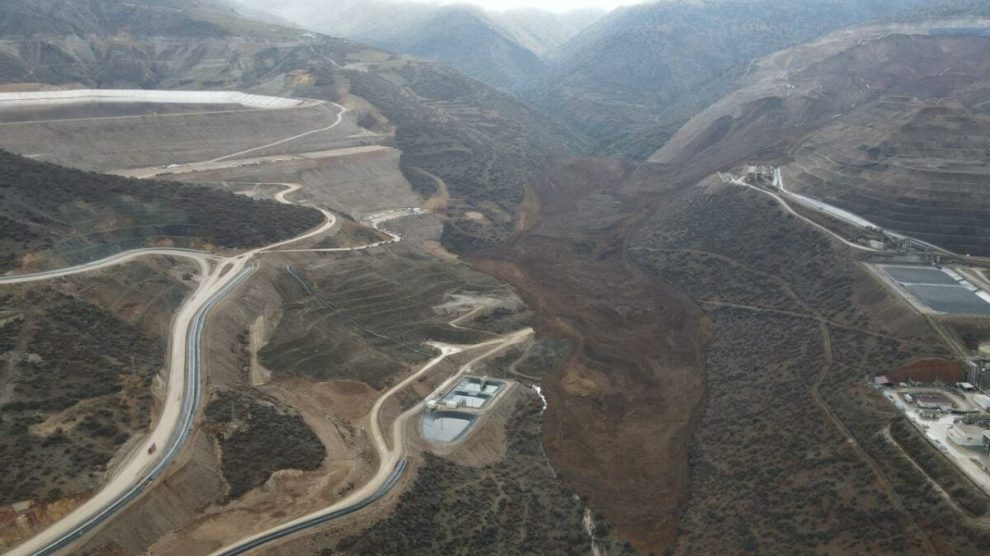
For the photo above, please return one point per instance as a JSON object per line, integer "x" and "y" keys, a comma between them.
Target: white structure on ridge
{"x": 117, "y": 96}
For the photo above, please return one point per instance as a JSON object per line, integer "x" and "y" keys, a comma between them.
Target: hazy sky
{"x": 551, "y": 5}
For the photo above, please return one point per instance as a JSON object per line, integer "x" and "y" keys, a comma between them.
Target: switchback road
{"x": 218, "y": 276}
{"x": 392, "y": 449}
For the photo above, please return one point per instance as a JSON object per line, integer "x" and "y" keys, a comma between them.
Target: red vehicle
{"x": 152, "y": 449}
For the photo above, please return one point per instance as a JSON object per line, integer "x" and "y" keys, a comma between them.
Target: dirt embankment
{"x": 198, "y": 506}
{"x": 622, "y": 408}
{"x": 928, "y": 370}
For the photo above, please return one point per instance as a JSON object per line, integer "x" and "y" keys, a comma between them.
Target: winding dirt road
{"x": 783, "y": 203}
{"x": 391, "y": 448}
{"x": 340, "y": 117}
{"x": 201, "y": 257}
{"x": 218, "y": 276}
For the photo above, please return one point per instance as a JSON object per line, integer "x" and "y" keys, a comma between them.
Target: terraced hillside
{"x": 912, "y": 166}
{"x": 355, "y": 182}
{"x": 630, "y": 80}
{"x": 483, "y": 143}
{"x": 454, "y": 508}
{"x": 289, "y": 358}
{"x": 366, "y": 317}
{"x": 704, "y": 377}
{"x": 889, "y": 123}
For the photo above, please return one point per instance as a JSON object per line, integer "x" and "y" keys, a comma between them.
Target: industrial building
{"x": 978, "y": 374}
{"x": 934, "y": 401}
{"x": 967, "y": 436}
{"x": 451, "y": 411}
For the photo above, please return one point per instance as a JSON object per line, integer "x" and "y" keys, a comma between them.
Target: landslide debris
{"x": 513, "y": 506}
{"x": 622, "y": 406}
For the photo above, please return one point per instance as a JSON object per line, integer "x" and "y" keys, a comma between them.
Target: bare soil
{"x": 622, "y": 407}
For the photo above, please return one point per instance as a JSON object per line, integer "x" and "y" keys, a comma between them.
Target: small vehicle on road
{"x": 152, "y": 448}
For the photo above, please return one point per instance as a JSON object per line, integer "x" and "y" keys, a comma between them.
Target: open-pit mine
{"x": 371, "y": 275}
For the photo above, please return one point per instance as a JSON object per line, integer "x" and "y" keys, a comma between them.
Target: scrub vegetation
{"x": 939, "y": 468}
{"x": 73, "y": 216}
{"x": 77, "y": 375}
{"x": 258, "y": 436}
{"x": 789, "y": 454}
{"x": 514, "y": 506}
{"x": 367, "y": 317}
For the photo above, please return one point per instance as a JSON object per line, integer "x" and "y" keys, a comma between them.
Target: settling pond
{"x": 940, "y": 290}
{"x": 445, "y": 426}
{"x": 449, "y": 425}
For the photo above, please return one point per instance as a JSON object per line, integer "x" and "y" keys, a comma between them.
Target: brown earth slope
{"x": 889, "y": 123}
{"x": 622, "y": 407}
{"x": 730, "y": 254}
{"x": 484, "y": 144}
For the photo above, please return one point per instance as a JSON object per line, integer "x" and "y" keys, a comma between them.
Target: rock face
{"x": 888, "y": 123}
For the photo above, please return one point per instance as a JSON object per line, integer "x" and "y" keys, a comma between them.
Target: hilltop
{"x": 630, "y": 80}
{"x": 870, "y": 120}
{"x": 51, "y": 215}
{"x": 139, "y": 18}
{"x": 700, "y": 351}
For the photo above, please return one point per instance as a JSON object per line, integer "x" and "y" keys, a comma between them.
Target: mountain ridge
{"x": 631, "y": 79}
{"x": 503, "y": 49}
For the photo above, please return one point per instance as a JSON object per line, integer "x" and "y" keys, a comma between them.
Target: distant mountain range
{"x": 631, "y": 79}
{"x": 889, "y": 123}
{"x": 624, "y": 81}
{"x": 504, "y": 49}
{"x": 703, "y": 350}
